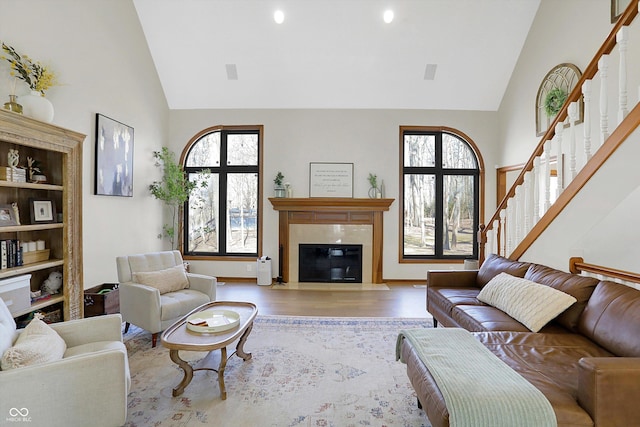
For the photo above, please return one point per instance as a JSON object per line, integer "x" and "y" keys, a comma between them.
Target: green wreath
{"x": 554, "y": 101}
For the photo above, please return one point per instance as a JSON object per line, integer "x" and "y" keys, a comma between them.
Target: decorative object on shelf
{"x": 13, "y": 105}
{"x": 7, "y": 216}
{"x": 330, "y": 179}
{"x": 33, "y": 171}
{"x": 175, "y": 188}
{"x": 12, "y": 172}
{"x": 13, "y": 158}
{"x": 53, "y": 283}
{"x": 279, "y": 189}
{"x": 114, "y": 158}
{"x": 38, "y": 77}
{"x": 16, "y": 212}
{"x": 374, "y": 191}
{"x": 42, "y": 211}
{"x": 288, "y": 189}
{"x": 36, "y": 106}
{"x": 617, "y": 8}
{"x": 552, "y": 95}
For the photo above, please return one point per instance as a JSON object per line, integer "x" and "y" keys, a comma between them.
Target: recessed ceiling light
{"x": 388, "y": 16}
{"x": 278, "y": 16}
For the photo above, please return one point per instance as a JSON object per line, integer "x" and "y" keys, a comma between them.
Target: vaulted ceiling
{"x": 435, "y": 54}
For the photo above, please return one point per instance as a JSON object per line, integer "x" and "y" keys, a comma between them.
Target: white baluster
{"x": 622, "y": 37}
{"x": 510, "y": 226}
{"x": 559, "y": 131}
{"x": 503, "y": 234}
{"x": 573, "y": 116}
{"x": 536, "y": 190}
{"x": 603, "y": 68}
{"x": 519, "y": 215}
{"x": 495, "y": 245}
{"x": 586, "y": 95}
{"x": 528, "y": 202}
{"x": 547, "y": 175}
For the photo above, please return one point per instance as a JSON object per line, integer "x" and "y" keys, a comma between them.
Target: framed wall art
{"x": 114, "y": 158}
{"x": 42, "y": 211}
{"x": 330, "y": 179}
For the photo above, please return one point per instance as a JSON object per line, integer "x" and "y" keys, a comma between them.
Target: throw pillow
{"x": 532, "y": 304}
{"x": 167, "y": 280}
{"x": 38, "y": 343}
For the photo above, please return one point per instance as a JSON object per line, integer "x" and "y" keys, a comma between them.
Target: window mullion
{"x": 439, "y": 235}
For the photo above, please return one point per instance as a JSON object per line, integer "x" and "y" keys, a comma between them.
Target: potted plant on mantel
{"x": 279, "y": 189}
{"x": 174, "y": 189}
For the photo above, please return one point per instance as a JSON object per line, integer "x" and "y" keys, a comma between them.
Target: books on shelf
{"x": 8, "y": 173}
{"x": 10, "y": 253}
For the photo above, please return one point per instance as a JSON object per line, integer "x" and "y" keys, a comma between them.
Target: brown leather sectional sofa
{"x": 586, "y": 361}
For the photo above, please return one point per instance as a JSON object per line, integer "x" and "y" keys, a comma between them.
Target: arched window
{"x": 441, "y": 185}
{"x": 224, "y": 218}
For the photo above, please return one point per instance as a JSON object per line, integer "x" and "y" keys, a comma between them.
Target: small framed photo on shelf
{"x": 7, "y": 216}
{"x": 42, "y": 211}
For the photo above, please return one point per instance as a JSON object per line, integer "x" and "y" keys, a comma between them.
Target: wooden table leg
{"x": 223, "y": 364}
{"x": 188, "y": 372}
{"x": 240, "y": 347}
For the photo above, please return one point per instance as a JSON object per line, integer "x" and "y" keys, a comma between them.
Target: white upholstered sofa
{"x": 86, "y": 385}
{"x": 152, "y": 296}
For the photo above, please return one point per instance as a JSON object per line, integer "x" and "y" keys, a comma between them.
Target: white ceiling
{"x": 335, "y": 53}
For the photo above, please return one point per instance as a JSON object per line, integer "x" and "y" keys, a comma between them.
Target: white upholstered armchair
{"x": 73, "y": 373}
{"x": 155, "y": 291}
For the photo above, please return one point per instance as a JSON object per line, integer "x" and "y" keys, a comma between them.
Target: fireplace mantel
{"x": 329, "y": 204}
{"x": 329, "y": 210}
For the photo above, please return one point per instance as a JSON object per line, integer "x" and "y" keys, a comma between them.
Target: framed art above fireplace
{"x": 330, "y": 179}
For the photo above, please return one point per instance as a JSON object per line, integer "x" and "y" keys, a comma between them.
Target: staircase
{"x": 531, "y": 207}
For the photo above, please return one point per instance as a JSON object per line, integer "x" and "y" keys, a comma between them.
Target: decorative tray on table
{"x": 213, "y": 321}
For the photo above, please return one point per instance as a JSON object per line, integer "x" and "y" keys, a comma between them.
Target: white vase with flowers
{"x": 38, "y": 77}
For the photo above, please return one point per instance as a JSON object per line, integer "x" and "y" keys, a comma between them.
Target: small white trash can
{"x": 263, "y": 270}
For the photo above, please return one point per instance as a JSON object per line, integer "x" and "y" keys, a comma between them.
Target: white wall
{"x": 367, "y": 138}
{"x": 567, "y": 31}
{"x": 99, "y": 53}
{"x": 599, "y": 224}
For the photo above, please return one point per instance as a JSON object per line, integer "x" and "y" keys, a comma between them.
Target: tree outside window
{"x": 223, "y": 218}
{"x": 441, "y": 191}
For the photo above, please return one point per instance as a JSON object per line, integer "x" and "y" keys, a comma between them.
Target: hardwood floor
{"x": 398, "y": 301}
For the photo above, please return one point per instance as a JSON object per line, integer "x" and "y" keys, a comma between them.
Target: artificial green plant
{"x": 174, "y": 189}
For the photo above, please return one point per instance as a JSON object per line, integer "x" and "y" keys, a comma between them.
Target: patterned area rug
{"x": 305, "y": 371}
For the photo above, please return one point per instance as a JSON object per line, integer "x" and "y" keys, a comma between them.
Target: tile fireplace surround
{"x": 331, "y": 220}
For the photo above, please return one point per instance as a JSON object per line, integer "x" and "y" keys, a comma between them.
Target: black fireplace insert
{"x": 330, "y": 263}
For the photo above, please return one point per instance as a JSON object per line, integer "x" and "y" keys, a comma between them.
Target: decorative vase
{"x": 280, "y": 191}
{"x": 36, "y": 106}
{"x": 374, "y": 193}
{"x": 12, "y": 105}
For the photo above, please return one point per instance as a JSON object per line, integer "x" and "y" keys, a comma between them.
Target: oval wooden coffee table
{"x": 178, "y": 337}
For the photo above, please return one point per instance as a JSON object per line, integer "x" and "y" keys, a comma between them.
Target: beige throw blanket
{"x": 478, "y": 388}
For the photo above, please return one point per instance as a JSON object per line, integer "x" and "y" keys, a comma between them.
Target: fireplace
{"x": 331, "y": 221}
{"x": 330, "y": 263}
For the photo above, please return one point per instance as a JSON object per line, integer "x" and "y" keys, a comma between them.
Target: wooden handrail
{"x": 628, "y": 125}
{"x": 577, "y": 265}
{"x": 609, "y": 44}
